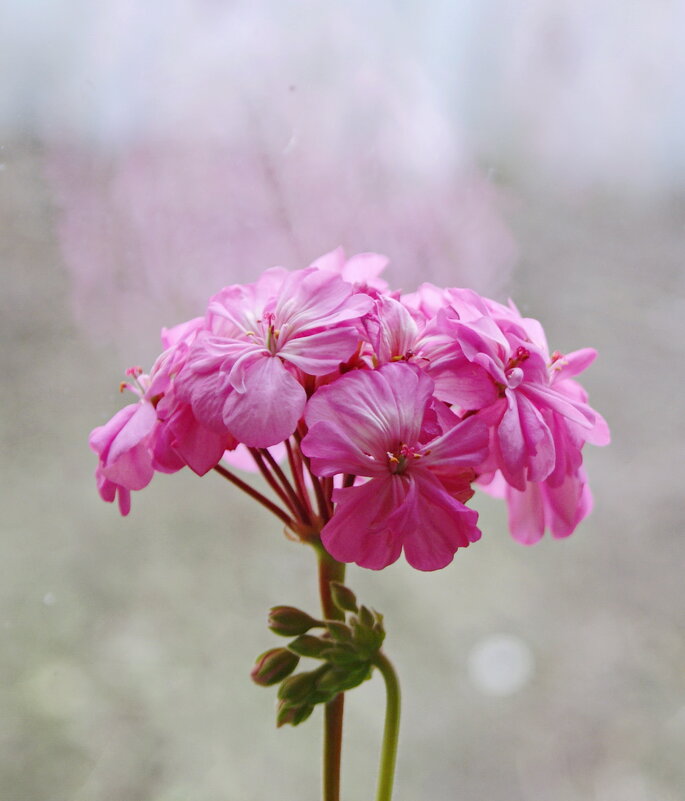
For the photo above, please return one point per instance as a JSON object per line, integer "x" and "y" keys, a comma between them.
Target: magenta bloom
{"x": 381, "y": 424}
{"x": 243, "y": 375}
{"x": 558, "y": 507}
{"x": 408, "y": 400}
{"x": 158, "y": 433}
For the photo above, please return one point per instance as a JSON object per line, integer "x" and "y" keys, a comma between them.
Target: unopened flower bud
{"x": 274, "y": 666}
{"x": 306, "y": 645}
{"x": 343, "y": 597}
{"x": 292, "y": 715}
{"x": 296, "y": 689}
{"x": 342, "y": 654}
{"x": 289, "y": 621}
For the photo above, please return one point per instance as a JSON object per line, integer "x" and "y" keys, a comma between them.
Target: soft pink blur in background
{"x": 153, "y": 152}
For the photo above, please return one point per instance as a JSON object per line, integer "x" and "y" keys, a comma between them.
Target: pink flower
{"x": 362, "y": 270}
{"x": 124, "y": 447}
{"x": 511, "y": 380}
{"x": 243, "y": 374}
{"x": 558, "y": 507}
{"x": 381, "y": 424}
{"x": 157, "y": 432}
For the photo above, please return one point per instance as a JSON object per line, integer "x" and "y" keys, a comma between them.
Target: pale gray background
{"x": 533, "y": 151}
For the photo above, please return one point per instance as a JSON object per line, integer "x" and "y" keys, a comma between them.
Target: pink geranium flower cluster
{"x": 387, "y": 409}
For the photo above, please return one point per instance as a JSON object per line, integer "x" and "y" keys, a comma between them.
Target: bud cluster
{"x": 346, "y": 648}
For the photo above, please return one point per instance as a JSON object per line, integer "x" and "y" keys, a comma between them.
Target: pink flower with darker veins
{"x": 382, "y": 424}
{"x": 244, "y": 374}
{"x": 158, "y": 433}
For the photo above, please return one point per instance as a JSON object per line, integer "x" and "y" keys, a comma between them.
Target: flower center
{"x": 268, "y": 333}
{"x": 520, "y": 355}
{"x": 140, "y": 382}
{"x": 512, "y": 370}
{"x": 399, "y": 460}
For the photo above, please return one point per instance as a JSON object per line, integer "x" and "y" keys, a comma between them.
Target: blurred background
{"x": 153, "y": 152}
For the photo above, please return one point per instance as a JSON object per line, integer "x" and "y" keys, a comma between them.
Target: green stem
{"x": 391, "y": 731}
{"x": 331, "y": 570}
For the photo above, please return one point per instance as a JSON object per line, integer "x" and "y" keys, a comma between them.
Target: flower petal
{"x": 357, "y": 531}
{"x": 321, "y": 352}
{"x": 443, "y": 525}
{"x": 526, "y": 514}
{"x": 268, "y": 411}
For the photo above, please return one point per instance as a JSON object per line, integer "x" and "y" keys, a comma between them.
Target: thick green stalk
{"x": 331, "y": 570}
{"x": 391, "y": 731}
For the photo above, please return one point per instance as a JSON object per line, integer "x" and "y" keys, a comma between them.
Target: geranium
{"x": 382, "y": 424}
{"x": 243, "y": 374}
{"x": 371, "y": 416}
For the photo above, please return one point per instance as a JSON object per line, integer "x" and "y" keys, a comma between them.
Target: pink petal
{"x": 137, "y": 429}
{"x": 208, "y": 395}
{"x": 124, "y": 500}
{"x": 571, "y": 364}
{"x": 443, "y": 525}
{"x": 539, "y": 441}
{"x": 334, "y": 261}
{"x": 332, "y": 450}
{"x": 241, "y": 457}
{"x": 465, "y": 384}
{"x": 321, "y": 352}
{"x": 526, "y": 514}
{"x": 376, "y": 410}
{"x": 102, "y": 437}
{"x": 364, "y": 268}
{"x": 315, "y": 299}
{"x": 268, "y": 411}
{"x": 511, "y": 445}
{"x": 549, "y": 397}
{"x": 181, "y": 332}
{"x": 356, "y": 532}
{"x": 198, "y": 446}
{"x": 464, "y": 445}
{"x": 567, "y": 504}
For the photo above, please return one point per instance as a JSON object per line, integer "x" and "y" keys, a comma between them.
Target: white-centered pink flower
{"x": 408, "y": 399}
{"x": 381, "y": 424}
{"x": 157, "y": 433}
{"x": 244, "y": 372}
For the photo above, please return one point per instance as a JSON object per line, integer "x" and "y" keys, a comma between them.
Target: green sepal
{"x": 343, "y": 597}
{"x": 339, "y": 631}
{"x": 366, "y": 617}
{"x": 366, "y": 640}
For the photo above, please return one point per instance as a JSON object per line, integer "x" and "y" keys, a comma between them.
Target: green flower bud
{"x": 338, "y": 679}
{"x": 296, "y": 689}
{"x": 292, "y": 715}
{"x": 355, "y": 676}
{"x": 289, "y": 621}
{"x": 273, "y": 666}
{"x": 341, "y": 654}
{"x": 343, "y": 597}
{"x": 330, "y": 682}
{"x": 306, "y": 645}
